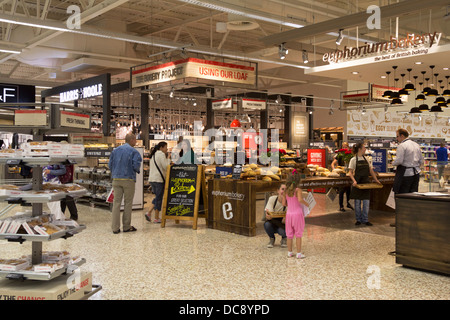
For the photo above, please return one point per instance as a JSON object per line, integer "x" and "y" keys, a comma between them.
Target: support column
{"x": 107, "y": 106}
{"x": 144, "y": 120}
{"x": 287, "y": 120}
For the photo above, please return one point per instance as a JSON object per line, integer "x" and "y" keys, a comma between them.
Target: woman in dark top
{"x": 360, "y": 170}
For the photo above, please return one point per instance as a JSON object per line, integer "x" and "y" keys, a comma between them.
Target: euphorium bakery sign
{"x": 419, "y": 43}
{"x": 195, "y": 68}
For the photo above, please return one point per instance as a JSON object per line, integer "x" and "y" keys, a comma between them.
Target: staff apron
{"x": 362, "y": 173}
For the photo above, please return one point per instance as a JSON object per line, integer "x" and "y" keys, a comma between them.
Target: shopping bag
{"x": 55, "y": 210}
{"x": 110, "y": 197}
{"x": 332, "y": 193}
{"x": 391, "y": 200}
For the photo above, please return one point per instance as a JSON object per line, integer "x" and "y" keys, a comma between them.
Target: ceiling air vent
{"x": 240, "y": 23}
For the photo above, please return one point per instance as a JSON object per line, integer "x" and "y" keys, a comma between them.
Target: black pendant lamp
{"x": 433, "y": 92}
{"x": 436, "y": 109}
{"x": 387, "y": 93}
{"x": 409, "y": 86}
{"x": 396, "y": 96}
{"x": 415, "y": 109}
{"x": 403, "y": 92}
{"x": 427, "y": 88}
{"x": 446, "y": 92}
{"x": 422, "y": 96}
{"x": 424, "y": 107}
{"x": 442, "y": 104}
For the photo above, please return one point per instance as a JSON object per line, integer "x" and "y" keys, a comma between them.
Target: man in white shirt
{"x": 408, "y": 160}
{"x": 275, "y": 225}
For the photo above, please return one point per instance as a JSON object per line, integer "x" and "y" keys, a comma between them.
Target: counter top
{"x": 318, "y": 182}
{"x": 418, "y": 196}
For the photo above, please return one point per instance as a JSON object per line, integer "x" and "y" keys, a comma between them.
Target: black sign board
{"x": 97, "y": 153}
{"x": 184, "y": 194}
{"x": 237, "y": 170}
{"x": 12, "y": 93}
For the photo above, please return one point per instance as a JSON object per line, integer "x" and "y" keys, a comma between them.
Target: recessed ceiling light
{"x": 355, "y": 72}
{"x": 418, "y": 62}
{"x": 383, "y": 77}
{"x": 445, "y": 68}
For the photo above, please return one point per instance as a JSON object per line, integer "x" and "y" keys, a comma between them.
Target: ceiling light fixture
{"x": 305, "y": 56}
{"x": 340, "y": 37}
{"x": 388, "y": 92}
{"x": 183, "y": 53}
{"x": 282, "y": 51}
{"x": 10, "y": 51}
{"x": 278, "y": 99}
{"x": 446, "y": 92}
{"x": 171, "y": 92}
{"x": 409, "y": 86}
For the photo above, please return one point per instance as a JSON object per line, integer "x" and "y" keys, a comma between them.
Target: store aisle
{"x": 342, "y": 261}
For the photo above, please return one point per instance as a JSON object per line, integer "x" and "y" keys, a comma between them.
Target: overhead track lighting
{"x": 183, "y": 53}
{"x": 278, "y": 99}
{"x": 340, "y": 37}
{"x": 282, "y": 51}
{"x": 305, "y": 56}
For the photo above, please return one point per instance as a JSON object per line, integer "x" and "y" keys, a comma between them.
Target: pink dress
{"x": 295, "y": 220}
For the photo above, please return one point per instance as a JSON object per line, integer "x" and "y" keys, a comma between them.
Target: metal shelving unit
{"x": 37, "y": 240}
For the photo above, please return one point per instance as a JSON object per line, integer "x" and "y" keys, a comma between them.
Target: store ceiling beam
{"x": 350, "y": 21}
{"x": 85, "y": 16}
{"x": 57, "y": 28}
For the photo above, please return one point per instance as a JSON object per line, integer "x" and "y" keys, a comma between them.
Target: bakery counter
{"x": 378, "y": 197}
{"x": 422, "y": 232}
{"x": 232, "y": 202}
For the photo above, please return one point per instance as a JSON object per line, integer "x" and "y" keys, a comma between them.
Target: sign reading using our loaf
{"x": 184, "y": 194}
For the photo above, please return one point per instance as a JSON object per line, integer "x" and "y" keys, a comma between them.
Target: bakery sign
{"x": 391, "y": 49}
{"x": 378, "y": 123}
{"x": 74, "y": 120}
{"x": 193, "y": 68}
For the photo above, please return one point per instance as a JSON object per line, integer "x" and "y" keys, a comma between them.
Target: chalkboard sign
{"x": 184, "y": 194}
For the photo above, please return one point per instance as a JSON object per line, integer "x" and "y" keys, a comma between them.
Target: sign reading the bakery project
{"x": 378, "y": 123}
{"x": 195, "y": 68}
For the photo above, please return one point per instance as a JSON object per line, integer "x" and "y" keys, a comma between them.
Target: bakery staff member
{"x": 275, "y": 225}
{"x": 359, "y": 171}
{"x": 408, "y": 160}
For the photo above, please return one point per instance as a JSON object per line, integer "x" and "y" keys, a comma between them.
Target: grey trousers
{"x": 123, "y": 189}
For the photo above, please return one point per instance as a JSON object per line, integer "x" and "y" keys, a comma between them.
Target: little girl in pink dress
{"x": 295, "y": 219}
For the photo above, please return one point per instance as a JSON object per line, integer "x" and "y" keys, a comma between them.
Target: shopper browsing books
{"x": 158, "y": 166}
{"x": 124, "y": 163}
{"x": 359, "y": 171}
{"x": 274, "y": 225}
{"x": 295, "y": 219}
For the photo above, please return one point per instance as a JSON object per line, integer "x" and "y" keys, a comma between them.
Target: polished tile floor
{"x": 343, "y": 261}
